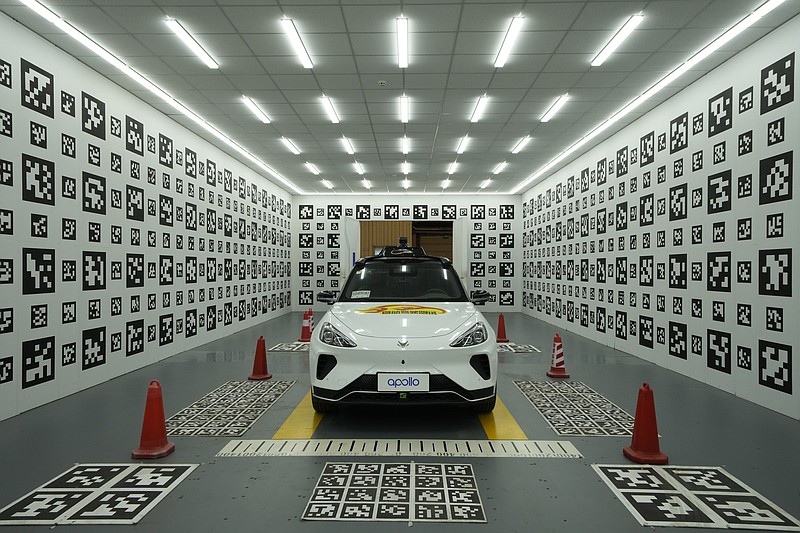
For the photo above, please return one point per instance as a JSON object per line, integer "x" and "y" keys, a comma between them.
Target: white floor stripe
{"x": 400, "y": 448}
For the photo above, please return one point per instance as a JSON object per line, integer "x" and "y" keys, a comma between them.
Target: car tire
{"x": 486, "y": 406}
{"x": 323, "y": 406}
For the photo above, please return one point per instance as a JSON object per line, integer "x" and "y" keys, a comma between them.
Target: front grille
{"x": 442, "y": 390}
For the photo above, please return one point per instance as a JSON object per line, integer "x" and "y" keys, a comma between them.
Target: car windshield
{"x": 406, "y": 280}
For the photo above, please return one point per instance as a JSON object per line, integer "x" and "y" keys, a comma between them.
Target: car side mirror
{"x": 480, "y": 297}
{"x": 326, "y": 297}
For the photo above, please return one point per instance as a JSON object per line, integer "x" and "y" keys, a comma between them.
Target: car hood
{"x": 374, "y": 319}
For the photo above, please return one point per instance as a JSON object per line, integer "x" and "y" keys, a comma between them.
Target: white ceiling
{"x": 453, "y": 46}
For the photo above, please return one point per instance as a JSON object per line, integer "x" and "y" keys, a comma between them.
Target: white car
{"x": 403, "y": 330}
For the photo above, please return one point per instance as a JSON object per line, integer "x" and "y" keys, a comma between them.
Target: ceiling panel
{"x": 453, "y": 44}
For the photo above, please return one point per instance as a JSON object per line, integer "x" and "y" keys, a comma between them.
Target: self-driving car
{"x": 403, "y": 330}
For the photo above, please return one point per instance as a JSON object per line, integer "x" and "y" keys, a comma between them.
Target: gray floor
{"x": 699, "y": 426}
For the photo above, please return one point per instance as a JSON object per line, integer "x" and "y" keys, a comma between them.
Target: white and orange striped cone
{"x": 311, "y": 319}
{"x": 557, "y": 367}
{"x": 305, "y": 333}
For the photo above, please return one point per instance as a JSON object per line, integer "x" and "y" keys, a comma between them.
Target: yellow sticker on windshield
{"x": 402, "y": 310}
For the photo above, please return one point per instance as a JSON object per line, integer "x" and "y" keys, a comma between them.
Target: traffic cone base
{"x": 153, "y": 443}
{"x": 501, "y": 329}
{"x": 260, "y": 363}
{"x": 557, "y": 373}
{"x": 644, "y": 447}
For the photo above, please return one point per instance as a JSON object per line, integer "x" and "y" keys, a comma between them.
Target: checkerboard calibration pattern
{"x": 517, "y": 348}
{"x": 290, "y": 347}
{"x": 574, "y": 408}
{"x": 692, "y": 496}
{"x": 97, "y": 494}
{"x": 227, "y": 411}
{"x": 396, "y": 491}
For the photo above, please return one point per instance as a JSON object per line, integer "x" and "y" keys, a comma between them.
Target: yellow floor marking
{"x": 302, "y": 423}
{"x": 500, "y": 425}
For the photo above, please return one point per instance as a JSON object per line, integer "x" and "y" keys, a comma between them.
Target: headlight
{"x": 333, "y": 337}
{"x": 474, "y": 336}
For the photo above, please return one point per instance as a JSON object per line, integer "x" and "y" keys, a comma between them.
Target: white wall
{"x": 486, "y": 228}
{"x": 70, "y": 206}
{"x": 695, "y": 202}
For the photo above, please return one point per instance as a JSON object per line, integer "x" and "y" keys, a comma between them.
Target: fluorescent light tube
{"x": 290, "y": 145}
{"x": 359, "y": 168}
{"x": 297, "y": 43}
{"x": 508, "y": 41}
{"x": 314, "y": 170}
{"x": 406, "y": 167}
{"x": 328, "y": 105}
{"x": 462, "y": 145}
{"x": 485, "y": 184}
{"x": 405, "y": 145}
{"x": 406, "y": 184}
{"x": 452, "y": 168}
{"x": 499, "y": 168}
{"x": 446, "y": 183}
{"x": 405, "y": 106}
{"x": 558, "y": 104}
{"x": 402, "y": 42}
{"x": 521, "y": 144}
{"x": 257, "y": 111}
{"x": 348, "y": 146}
{"x": 328, "y": 184}
{"x": 479, "y": 107}
{"x": 367, "y": 184}
{"x": 617, "y": 40}
{"x": 191, "y": 43}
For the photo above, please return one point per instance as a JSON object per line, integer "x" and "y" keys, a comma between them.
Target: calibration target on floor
{"x": 228, "y": 410}
{"x": 97, "y": 494}
{"x": 290, "y": 347}
{"x": 574, "y": 408}
{"x": 517, "y": 348}
{"x": 692, "y": 496}
{"x": 396, "y": 491}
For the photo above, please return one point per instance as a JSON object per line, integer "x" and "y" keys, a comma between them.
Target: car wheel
{"x": 486, "y": 406}
{"x": 323, "y": 406}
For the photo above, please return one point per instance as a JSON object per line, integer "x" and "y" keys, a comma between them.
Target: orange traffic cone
{"x": 501, "y": 329}
{"x": 644, "y": 444}
{"x": 557, "y": 367}
{"x": 260, "y": 363}
{"x": 305, "y": 333}
{"x": 154, "y": 443}
{"x": 311, "y": 319}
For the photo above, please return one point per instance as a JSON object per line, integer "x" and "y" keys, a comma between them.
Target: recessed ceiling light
{"x": 558, "y": 104}
{"x": 329, "y": 109}
{"x": 485, "y": 183}
{"x": 348, "y": 146}
{"x": 521, "y": 144}
{"x": 676, "y": 73}
{"x": 314, "y": 170}
{"x": 479, "y": 107}
{"x": 405, "y": 145}
{"x": 191, "y": 42}
{"x": 328, "y": 184}
{"x": 508, "y": 42}
{"x": 297, "y": 43}
{"x": 406, "y": 184}
{"x": 405, "y": 106}
{"x": 452, "y": 168}
{"x": 367, "y": 184}
{"x": 617, "y": 40}
{"x": 446, "y": 183}
{"x": 402, "y": 42}
{"x": 255, "y": 109}
{"x": 499, "y": 168}
{"x": 406, "y": 167}
{"x": 290, "y": 145}
{"x": 358, "y": 167}
{"x": 462, "y": 144}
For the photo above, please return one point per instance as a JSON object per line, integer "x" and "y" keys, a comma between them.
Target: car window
{"x": 407, "y": 280}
